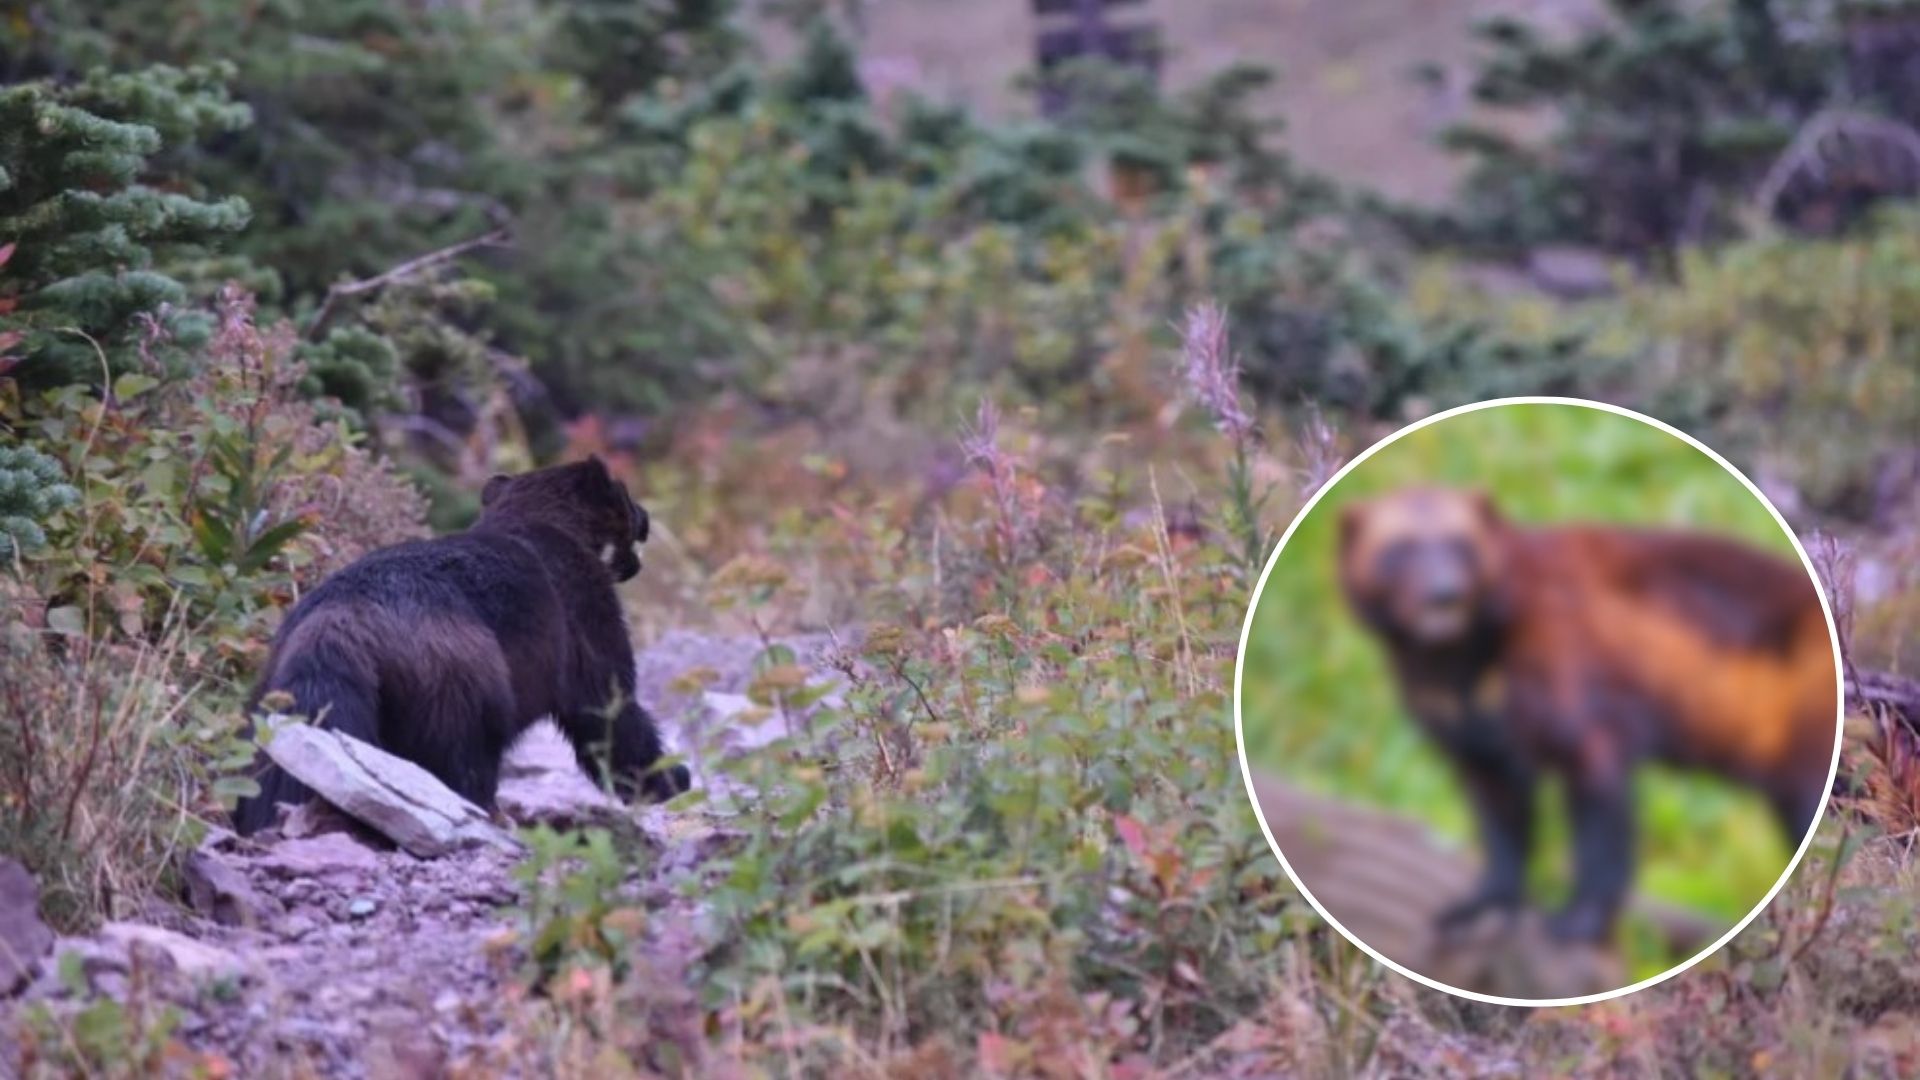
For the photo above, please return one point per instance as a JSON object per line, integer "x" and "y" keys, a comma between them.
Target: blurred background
{"x": 1001, "y": 336}
{"x": 1320, "y": 707}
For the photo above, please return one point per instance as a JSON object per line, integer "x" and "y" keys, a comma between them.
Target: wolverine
{"x": 444, "y": 651}
{"x": 1581, "y": 651}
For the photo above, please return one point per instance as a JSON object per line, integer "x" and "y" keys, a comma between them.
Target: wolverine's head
{"x": 583, "y": 498}
{"x": 1422, "y": 566}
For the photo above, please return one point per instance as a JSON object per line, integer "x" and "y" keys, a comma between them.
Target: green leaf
{"x": 67, "y": 621}
{"x": 215, "y": 538}
{"x": 269, "y": 545}
{"x": 231, "y": 789}
{"x": 132, "y": 385}
{"x": 192, "y": 575}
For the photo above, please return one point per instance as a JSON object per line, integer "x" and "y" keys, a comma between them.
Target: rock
{"x": 1571, "y": 273}
{"x": 556, "y": 799}
{"x": 363, "y": 907}
{"x": 194, "y": 959}
{"x": 401, "y": 800}
{"x": 331, "y": 856}
{"x": 298, "y": 926}
{"x": 24, "y": 939}
{"x": 543, "y": 783}
{"x": 217, "y": 889}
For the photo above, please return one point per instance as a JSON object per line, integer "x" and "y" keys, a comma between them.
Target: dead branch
{"x": 1820, "y": 140}
{"x": 1899, "y": 695}
{"x": 347, "y": 289}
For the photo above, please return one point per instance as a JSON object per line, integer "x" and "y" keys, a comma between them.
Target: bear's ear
{"x": 495, "y": 485}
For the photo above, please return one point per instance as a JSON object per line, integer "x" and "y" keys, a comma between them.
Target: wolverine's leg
{"x": 624, "y": 738}
{"x": 1502, "y": 791}
{"x": 1602, "y": 810}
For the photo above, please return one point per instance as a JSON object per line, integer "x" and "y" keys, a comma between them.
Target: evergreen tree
{"x": 1666, "y": 118}
{"x": 31, "y": 490}
{"x": 94, "y": 235}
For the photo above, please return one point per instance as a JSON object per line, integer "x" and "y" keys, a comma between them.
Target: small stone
{"x": 217, "y": 889}
{"x": 1571, "y": 273}
{"x": 362, "y": 908}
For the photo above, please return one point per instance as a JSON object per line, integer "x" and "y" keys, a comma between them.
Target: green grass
{"x": 1319, "y": 705}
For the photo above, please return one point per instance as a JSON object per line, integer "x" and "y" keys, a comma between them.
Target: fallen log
{"x": 1385, "y": 878}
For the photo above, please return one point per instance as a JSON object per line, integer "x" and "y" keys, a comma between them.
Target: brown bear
{"x": 1583, "y": 650}
{"x": 444, "y": 651}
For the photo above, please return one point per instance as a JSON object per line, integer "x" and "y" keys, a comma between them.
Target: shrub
{"x": 1765, "y": 349}
{"x": 208, "y": 499}
{"x": 199, "y": 507}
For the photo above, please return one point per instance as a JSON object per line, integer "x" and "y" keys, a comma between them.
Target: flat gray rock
{"x": 192, "y": 958}
{"x": 24, "y": 939}
{"x": 327, "y": 856}
{"x": 395, "y": 797}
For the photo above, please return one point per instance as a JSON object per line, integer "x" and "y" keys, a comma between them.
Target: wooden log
{"x": 1386, "y": 878}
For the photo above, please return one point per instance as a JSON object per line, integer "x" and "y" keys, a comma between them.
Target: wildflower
{"x": 1212, "y": 372}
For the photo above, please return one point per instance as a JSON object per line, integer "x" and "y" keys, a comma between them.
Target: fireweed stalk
{"x": 1211, "y": 374}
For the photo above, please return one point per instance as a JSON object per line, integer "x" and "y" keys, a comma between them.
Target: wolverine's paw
{"x": 661, "y": 785}
{"x": 1457, "y": 918}
{"x": 1579, "y": 925}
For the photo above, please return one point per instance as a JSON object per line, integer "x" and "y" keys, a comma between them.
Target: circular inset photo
{"x": 1538, "y": 701}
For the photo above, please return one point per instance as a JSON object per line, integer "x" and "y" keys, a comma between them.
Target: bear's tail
{"x": 333, "y": 685}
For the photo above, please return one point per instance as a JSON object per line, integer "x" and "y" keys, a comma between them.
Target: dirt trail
{"x": 338, "y": 955}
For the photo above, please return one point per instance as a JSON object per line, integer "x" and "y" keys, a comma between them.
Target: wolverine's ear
{"x": 495, "y": 486}
{"x": 1352, "y": 516}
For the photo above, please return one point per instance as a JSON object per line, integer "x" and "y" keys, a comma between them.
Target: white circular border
{"x": 1240, "y": 659}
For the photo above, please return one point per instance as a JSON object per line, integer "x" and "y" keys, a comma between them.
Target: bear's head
{"x": 1424, "y": 566}
{"x": 583, "y": 499}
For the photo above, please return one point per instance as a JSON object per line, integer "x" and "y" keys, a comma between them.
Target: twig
{"x": 345, "y": 289}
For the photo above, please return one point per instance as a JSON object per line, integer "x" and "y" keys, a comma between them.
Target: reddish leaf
{"x": 1133, "y": 834}
{"x": 995, "y": 1053}
{"x": 6, "y": 252}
